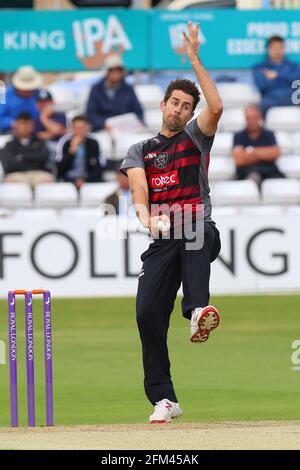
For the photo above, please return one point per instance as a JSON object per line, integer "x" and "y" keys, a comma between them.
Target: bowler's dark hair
{"x": 186, "y": 86}
{"x": 274, "y": 39}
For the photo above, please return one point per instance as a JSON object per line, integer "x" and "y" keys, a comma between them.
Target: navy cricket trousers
{"x": 166, "y": 264}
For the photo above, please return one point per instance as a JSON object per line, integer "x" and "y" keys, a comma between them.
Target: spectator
{"x": 112, "y": 96}
{"x": 78, "y": 155}
{"x": 50, "y": 125}
{"x": 20, "y": 96}
{"x": 255, "y": 149}
{"x": 121, "y": 199}
{"x": 275, "y": 76}
{"x": 25, "y": 159}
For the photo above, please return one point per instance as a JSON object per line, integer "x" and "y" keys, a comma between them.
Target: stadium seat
{"x": 235, "y": 193}
{"x": 221, "y": 168}
{"x": 296, "y": 142}
{"x": 237, "y": 94}
{"x": 4, "y": 139}
{"x": 5, "y": 212}
{"x": 289, "y": 165}
{"x": 280, "y": 191}
{"x": 222, "y": 144}
{"x": 105, "y": 141}
{"x": 283, "y": 118}
{"x": 93, "y": 194}
{"x": 285, "y": 141}
{"x": 14, "y": 195}
{"x": 56, "y": 195}
{"x": 153, "y": 120}
{"x": 64, "y": 98}
{"x": 149, "y": 95}
{"x": 127, "y": 122}
{"x": 124, "y": 141}
{"x": 70, "y": 114}
{"x": 82, "y": 97}
{"x": 232, "y": 120}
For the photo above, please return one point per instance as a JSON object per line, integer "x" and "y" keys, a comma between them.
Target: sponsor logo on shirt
{"x": 150, "y": 156}
{"x": 159, "y": 181}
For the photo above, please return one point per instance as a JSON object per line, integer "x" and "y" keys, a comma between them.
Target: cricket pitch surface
{"x": 174, "y": 436}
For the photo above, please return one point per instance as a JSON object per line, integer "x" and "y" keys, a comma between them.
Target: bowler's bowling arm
{"x": 140, "y": 194}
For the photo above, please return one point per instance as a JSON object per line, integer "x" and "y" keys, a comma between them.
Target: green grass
{"x": 242, "y": 373}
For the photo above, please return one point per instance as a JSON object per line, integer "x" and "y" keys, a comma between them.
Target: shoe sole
{"x": 208, "y": 321}
{"x": 156, "y": 421}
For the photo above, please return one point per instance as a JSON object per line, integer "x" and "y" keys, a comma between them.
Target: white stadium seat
{"x": 232, "y": 120}
{"x": 56, "y": 195}
{"x": 128, "y": 122}
{"x": 93, "y": 194}
{"x": 221, "y": 168}
{"x": 105, "y": 142}
{"x": 237, "y": 94}
{"x": 82, "y": 97}
{"x": 280, "y": 191}
{"x": 289, "y": 165}
{"x": 64, "y": 97}
{"x": 235, "y": 193}
{"x": 124, "y": 141}
{"x": 283, "y": 118}
{"x": 222, "y": 144}
{"x": 149, "y": 95}
{"x": 13, "y": 195}
{"x": 153, "y": 120}
{"x": 4, "y": 139}
{"x": 296, "y": 142}
{"x": 285, "y": 142}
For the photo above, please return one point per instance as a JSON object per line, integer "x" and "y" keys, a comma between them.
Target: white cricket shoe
{"x": 203, "y": 321}
{"x": 164, "y": 411}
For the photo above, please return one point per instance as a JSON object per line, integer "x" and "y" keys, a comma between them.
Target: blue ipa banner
{"x": 72, "y": 40}
{"x": 80, "y": 40}
{"x": 229, "y": 39}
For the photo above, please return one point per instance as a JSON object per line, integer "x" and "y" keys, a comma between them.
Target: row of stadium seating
{"x": 116, "y": 148}
{"x": 70, "y": 97}
{"x": 224, "y": 193}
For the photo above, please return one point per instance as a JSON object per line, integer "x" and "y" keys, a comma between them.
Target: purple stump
{"x": 48, "y": 358}
{"x": 29, "y": 359}
{"x": 12, "y": 335}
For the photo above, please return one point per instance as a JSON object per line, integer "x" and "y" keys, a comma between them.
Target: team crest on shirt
{"x": 161, "y": 160}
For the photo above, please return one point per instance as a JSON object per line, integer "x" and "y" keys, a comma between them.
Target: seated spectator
{"x": 78, "y": 155}
{"x": 50, "y": 125}
{"x": 275, "y": 76}
{"x": 112, "y": 96}
{"x": 255, "y": 149}
{"x": 121, "y": 199}
{"x": 20, "y": 96}
{"x": 25, "y": 159}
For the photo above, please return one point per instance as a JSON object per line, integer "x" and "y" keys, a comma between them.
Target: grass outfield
{"x": 244, "y": 372}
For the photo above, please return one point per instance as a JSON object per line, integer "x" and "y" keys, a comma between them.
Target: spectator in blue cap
{"x": 50, "y": 125}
